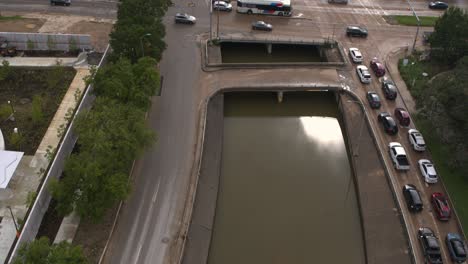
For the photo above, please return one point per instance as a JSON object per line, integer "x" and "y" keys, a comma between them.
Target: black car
{"x": 456, "y": 247}
{"x": 388, "y": 123}
{"x": 261, "y": 25}
{"x": 374, "y": 99}
{"x": 60, "y": 2}
{"x": 412, "y": 197}
{"x": 389, "y": 90}
{"x": 430, "y": 245}
{"x": 438, "y": 5}
{"x": 355, "y": 31}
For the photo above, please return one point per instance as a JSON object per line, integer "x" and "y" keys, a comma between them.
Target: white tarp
{"x": 2, "y": 141}
{"x": 9, "y": 160}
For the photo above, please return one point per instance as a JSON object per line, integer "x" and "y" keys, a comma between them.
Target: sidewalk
{"x": 27, "y": 177}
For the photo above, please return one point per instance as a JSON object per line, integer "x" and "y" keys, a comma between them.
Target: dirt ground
{"x": 29, "y": 25}
{"x": 99, "y": 32}
{"x": 93, "y": 237}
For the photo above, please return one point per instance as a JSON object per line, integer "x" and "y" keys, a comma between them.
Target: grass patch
{"x": 21, "y": 87}
{"x": 426, "y": 21}
{"x": 454, "y": 180}
{"x": 6, "y": 18}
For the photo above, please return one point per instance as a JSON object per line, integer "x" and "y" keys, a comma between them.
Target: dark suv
{"x": 412, "y": 197}
{"x": 389, "y": 90}
{"x": 388, "y": 123}
{"x": 430, "y": 245}
{"x": 355, "y": 31}
{"x": 60, "y": 2}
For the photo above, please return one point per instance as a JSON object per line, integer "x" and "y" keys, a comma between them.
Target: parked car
{"x": 389, "y": 90}
{"x": 355, "y": 54}
{"x": 416, "y": 140}
{"x": 456, "y": 247}
{"x": 388, "y": 123}
{"x": 377, "y": 67}
{"x": 356, "y": 31}
{"x": 438, "y": 5}
{"x": 402, "y": 116}
{"x": 430, "y": 245}
{"x": 60, "y": 2}
{"x": 363, "y": 74}
{"x": 374, "y": 99}
{"x": 185, "y": 18}
{"x": 441, "y": 206}
{"x": 261, "y": 25}
{"x": 412, "y": 198}
{"x": 222, "y": 6}
{"x": 428, "y": 171}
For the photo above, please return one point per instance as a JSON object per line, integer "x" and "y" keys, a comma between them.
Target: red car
{"x": 377, "y": 67}
{"x": 441, "y": 206}
{"x": 402, "y": 116}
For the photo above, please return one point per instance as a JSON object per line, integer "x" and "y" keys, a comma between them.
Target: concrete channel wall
{"x": 41, "y": 204}
{"x": 48, "y": 41}
{"x": 384, "y": 234}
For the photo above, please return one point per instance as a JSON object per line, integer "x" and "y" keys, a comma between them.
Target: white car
{"x": 222, "y": 6}
{"x": 416, "y": 140}
{"x": 428, "y": 171}
{"x": 363, "y": 73}
{"x": 355, "y": 55}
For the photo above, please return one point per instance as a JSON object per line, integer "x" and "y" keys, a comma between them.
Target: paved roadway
{"x": 94, "y": 8}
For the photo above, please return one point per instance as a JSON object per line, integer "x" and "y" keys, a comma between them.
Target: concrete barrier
{"x": 48, "y": 41}
{"x": 36, "y": 212}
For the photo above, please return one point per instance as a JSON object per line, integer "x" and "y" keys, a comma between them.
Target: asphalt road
{"x": 94, "y": 8}
{"x": 145, "y": 227}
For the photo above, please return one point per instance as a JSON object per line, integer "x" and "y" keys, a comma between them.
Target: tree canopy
{"x": 42, "y": 252}
{"x": 449, "y": 42}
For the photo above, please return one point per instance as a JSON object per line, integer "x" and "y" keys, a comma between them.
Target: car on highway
{"x": 416, "y": 140}
{"x": 456, "y": 247}
{"x": 412, "y": 198}
{"x": 222, "y": 6}
{"x": 430, "y": 245}
{"x": 389, "y": 89}
{"x": 60, "y": 2}
{"x": 355, "y": 54}
{"x": 428, "y": 171}
{"x": 184, "y": 18}
{"x": 388, "y": 123}
{"x": 374, "y": 99}
{"x": 356, "y": 31}
{"x": 363, "y": 74}
{"x": 402, "y": 116}
{"x": 261, "y": 25}
{"x": 438, "y": 5}
{"x": 441, "y": 206}
{"x": 377, "y": 67}
{"x": 398, "y": 155}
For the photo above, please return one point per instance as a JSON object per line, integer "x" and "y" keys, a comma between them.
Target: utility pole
{"x": 217, "y": 23}
{"x": 419, "y": 24}
{"x": 211, "y": 23}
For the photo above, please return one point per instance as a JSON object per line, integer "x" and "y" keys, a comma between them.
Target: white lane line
{"x": 138, "y": 253}
{"x": 155, "y": 195}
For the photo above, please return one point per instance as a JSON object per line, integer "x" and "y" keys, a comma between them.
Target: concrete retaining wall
{"x": 45, "y": 41}
{"x": 41, "y": 204}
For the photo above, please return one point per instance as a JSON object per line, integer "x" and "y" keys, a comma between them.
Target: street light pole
{"x": 14, "y": 221}
{"x": 419, "y": 24}
{"x": 211, "y": 23}
{"x": 141, "y": 43}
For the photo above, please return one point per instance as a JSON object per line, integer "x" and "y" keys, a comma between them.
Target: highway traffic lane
{"x": 145, "y": 227}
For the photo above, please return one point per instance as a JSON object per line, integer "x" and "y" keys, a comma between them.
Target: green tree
{"x": 127, "y": 83}
{"x": 449, "y": 41}
{"x": 111, "y": 137}
{"x": 42, "y": 252}
{"x": 5, "y": 70}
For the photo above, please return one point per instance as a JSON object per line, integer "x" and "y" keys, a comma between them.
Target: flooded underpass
{"x": 286, "y": 192}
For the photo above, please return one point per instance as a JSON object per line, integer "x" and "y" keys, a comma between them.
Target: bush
{"x": 16, "y": 139}
{"x": 5, "y": 112}
{"x": 37, "y": 114}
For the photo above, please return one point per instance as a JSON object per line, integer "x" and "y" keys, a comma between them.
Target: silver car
{"x": 222, "y": 6}
{"x": 185, "y": 18}
{"x": 261, "y": 25}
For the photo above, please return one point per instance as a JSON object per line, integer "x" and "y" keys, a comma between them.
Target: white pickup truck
{"x": 398, "y": 155}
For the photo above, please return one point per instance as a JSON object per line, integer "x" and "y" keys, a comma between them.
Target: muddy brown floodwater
{"x": 286, "y": 192}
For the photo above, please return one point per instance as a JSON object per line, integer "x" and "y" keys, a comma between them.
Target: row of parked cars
{"x": 439, "y": 202}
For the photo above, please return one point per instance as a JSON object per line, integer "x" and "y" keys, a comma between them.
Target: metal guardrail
{"x": 47, "y": 41}
{"x": 39, "y": 208}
